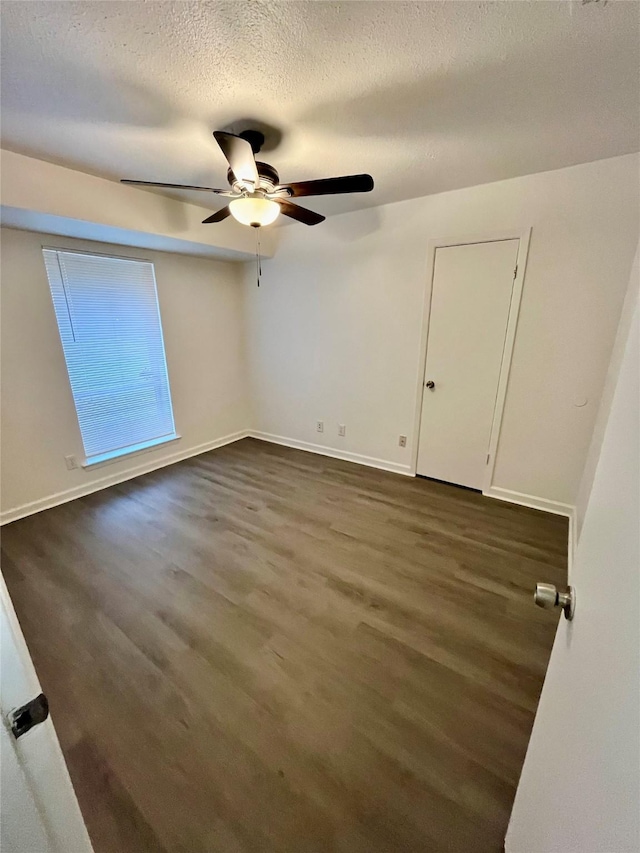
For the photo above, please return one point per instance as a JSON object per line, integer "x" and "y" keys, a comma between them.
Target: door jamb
{"x": 524, "y": 238}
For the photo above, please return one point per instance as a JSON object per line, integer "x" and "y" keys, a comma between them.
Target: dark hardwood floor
{"x": 259, "y": 649}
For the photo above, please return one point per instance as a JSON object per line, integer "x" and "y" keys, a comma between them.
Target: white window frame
{"x": 115, "y": 454}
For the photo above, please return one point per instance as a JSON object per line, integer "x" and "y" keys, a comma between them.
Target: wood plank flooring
{"x": 259, "y": 649}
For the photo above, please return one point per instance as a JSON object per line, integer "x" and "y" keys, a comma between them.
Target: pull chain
{"x": 258, "y": 260}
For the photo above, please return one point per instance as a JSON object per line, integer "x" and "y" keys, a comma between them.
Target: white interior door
{"x": 580, "y": 786}
{"x": 470, "y": 300}
{"x": 39, "y": 812}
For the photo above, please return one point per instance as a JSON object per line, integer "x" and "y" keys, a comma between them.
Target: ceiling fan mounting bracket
{"x": 255, "y": 139}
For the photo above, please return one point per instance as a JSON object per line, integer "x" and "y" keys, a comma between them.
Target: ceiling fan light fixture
{"x": 258, "y": 196}
{"x": 254, "y": 210}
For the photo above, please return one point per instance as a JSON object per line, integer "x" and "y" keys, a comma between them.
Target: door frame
{"x": 524, "y": 238}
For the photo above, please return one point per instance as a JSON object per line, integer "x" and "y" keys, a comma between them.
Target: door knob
{"x": 547, "y": 596}
{"x": 430, "y": 384}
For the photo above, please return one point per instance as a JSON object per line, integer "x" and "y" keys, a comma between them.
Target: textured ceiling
{"x": 426, "y": 96}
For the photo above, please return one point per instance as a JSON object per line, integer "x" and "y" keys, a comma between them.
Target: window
{"x": 109, "y": 321}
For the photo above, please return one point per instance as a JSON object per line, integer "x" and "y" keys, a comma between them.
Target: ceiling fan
{"x": 257, "y": 196}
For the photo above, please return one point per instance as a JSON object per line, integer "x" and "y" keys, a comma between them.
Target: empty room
{"x": 320, "y": 426}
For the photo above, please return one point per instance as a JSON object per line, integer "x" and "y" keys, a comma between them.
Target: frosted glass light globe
{"x": 254, "y": 210}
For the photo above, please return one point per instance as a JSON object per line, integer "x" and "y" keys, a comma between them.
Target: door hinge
{"x": 25, "y": 718}
{"x": 515, "y": 272}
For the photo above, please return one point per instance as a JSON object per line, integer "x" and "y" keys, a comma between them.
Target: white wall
{"x": 334, "y": 334}
{"x": 580, "y": 786}
{"x": 335, "y": 328}
{"x": 617, "y": 352}
{"x": 201, "y": 304}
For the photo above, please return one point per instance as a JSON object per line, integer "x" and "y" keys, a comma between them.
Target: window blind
{"x": 109, "y": 321}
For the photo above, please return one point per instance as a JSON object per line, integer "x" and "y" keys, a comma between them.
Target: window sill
{"x": 133, "y": 450}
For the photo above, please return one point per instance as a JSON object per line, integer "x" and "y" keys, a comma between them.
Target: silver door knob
{"x": 547, "y": 596}
{"x": 430, "y": 384}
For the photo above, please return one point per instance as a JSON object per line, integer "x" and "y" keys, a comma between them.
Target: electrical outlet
{"x": 319, "y": 426}
{"x": 402, "y": 441}
{"x": 342, "y": 430}
{"x": 71, "y": 462}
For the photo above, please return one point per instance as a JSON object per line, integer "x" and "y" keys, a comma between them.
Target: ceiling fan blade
{"x": 176, "y": 187}
{"x": 218, "y": 216}
{"x": 331, "y": 186}
{"x": 239, "y": 154}
{"x": 309, "y": 217}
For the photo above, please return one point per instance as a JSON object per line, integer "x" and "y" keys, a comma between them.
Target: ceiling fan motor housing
{"x": 269, "y": 178}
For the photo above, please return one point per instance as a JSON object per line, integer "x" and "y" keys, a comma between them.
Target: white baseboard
{"x": 333, "y": 452}
{"x": 529, "y": 500}
{"x": 95, "y": 485}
